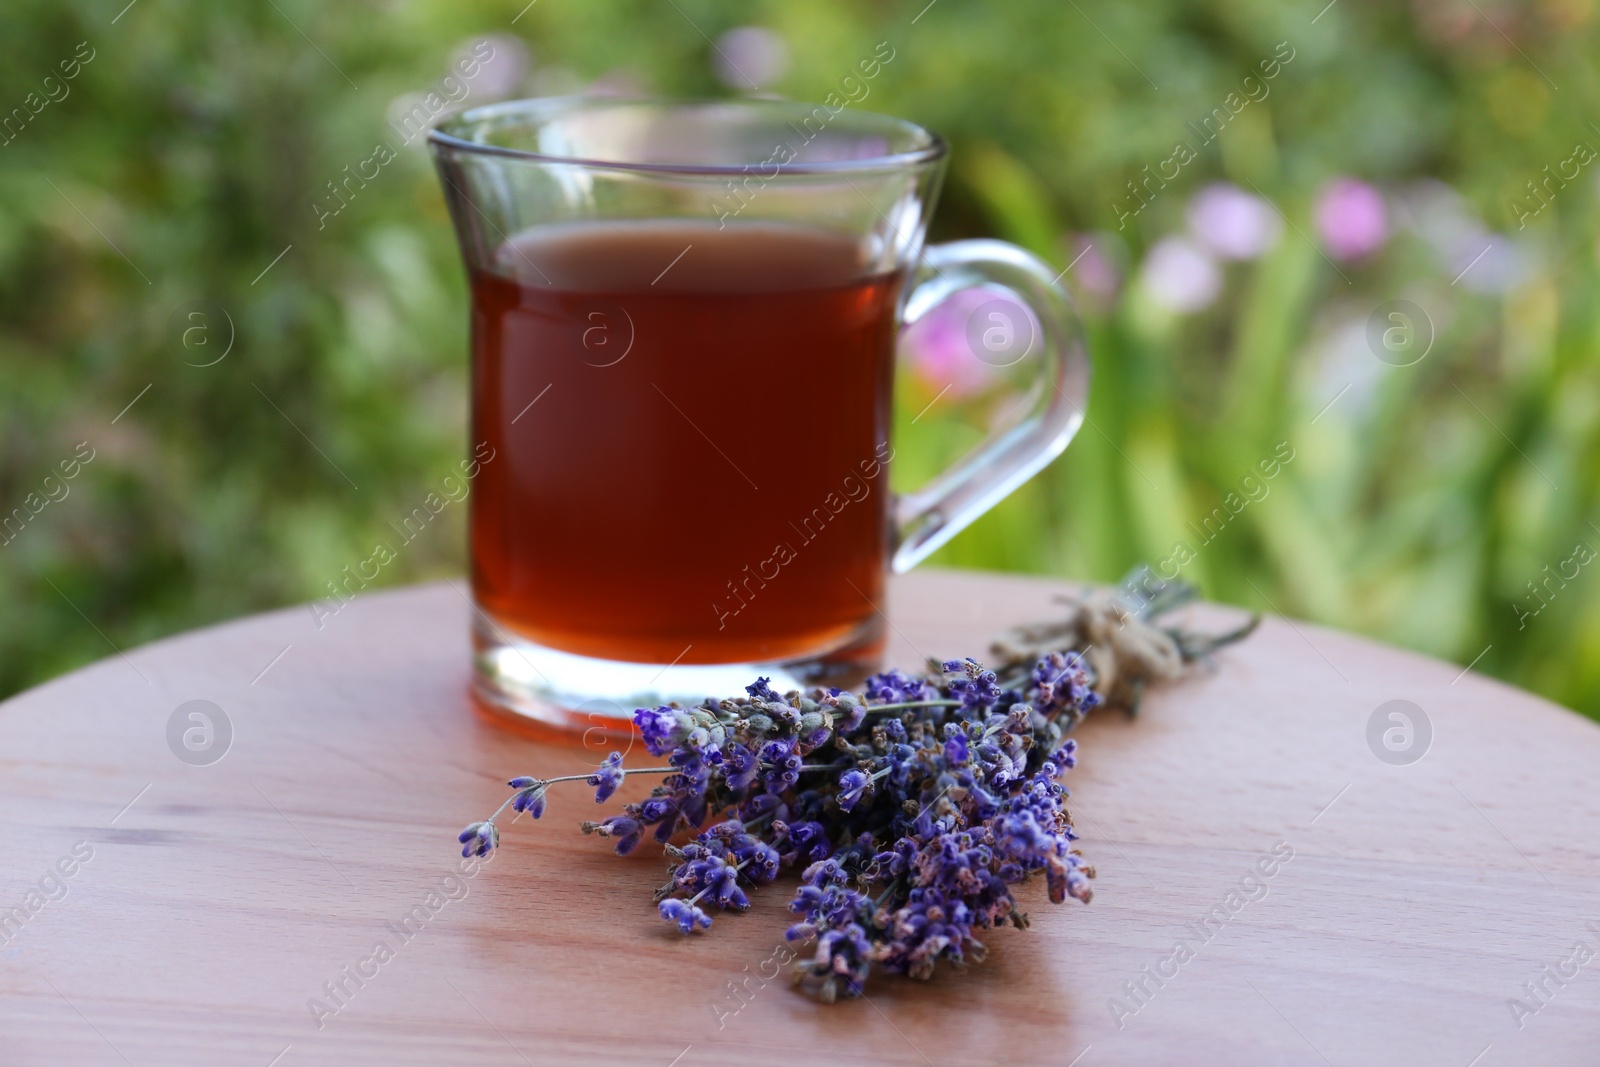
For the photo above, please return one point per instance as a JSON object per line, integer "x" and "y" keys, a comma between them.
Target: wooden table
{"x": 207, "y": 904}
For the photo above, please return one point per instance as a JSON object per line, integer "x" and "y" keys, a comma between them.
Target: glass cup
{"x": 684, "y": 325}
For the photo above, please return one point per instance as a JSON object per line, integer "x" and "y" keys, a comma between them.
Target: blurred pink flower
{"x": 1180, "y": 276}
{"x": 1232, "y": 223}
{"x": 1091, "y": 265}
{"x": 617, "y": 82}
{"x": 750, "y": 57}
{"x": 1351, "y": 218}
{"x": 1473, "y": 255}
{"x": 502, "y": 73}
{"x": 940, "y": 350}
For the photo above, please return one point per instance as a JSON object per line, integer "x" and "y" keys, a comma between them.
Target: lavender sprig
{"x": 911, "y": 809}
{"x": 479, "y": 837}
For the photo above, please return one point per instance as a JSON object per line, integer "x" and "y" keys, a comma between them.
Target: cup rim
{"x": 935, "y": 148}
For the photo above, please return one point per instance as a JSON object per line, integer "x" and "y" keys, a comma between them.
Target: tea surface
{"x": 690, "y": 430}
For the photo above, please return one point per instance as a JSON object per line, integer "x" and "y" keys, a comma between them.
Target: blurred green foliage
{"x": 187, "y": 154}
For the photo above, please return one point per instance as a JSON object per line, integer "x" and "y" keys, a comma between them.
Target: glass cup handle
{"x": 1055, "y": 403}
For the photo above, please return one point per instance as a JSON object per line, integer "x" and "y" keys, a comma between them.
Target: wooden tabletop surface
{"x": 164, "y": 911}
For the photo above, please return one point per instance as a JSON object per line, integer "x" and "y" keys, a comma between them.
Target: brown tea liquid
{"x": 690, "y": 430}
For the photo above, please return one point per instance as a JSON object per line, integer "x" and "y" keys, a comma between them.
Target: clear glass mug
{"x": 684, "y": 324}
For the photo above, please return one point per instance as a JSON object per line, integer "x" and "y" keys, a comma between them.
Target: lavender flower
{"x": 1062, "y": 679}
{"x": 781, "y": 765}
{"x": 761, "y": 689}
{"x": 895, "y": 687}
{"x": 852, "y": 784}
{"x": 849, "y": 710}
{"x": 662, "y": 728}
{"x": 913, "y": 810}
{"x": 687, "y": 916}
{"x": 478, "y": 838}
{"x": 840, "y": 965}
{"x": 741, "y": 767}
{"x": 529, "y": 798}
{"x": 624, "y": 828}
{"x": 607, "y": 778}
{"x": 977, "y": 690}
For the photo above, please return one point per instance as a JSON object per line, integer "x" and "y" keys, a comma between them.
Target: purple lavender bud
{"x": 760, "y": 690}
{"x": 896, "y": 687}
{"x": 849, "y": 711}
{"x": 1065, "y": 877}
{"x": 624, "y": 828}
{"x": 607, "y": 778}
{"x": 522, "y": 783}
{"x": 731, "y": 896}
{"x": 655, "y": 809}
{"x": 1066, "y": 757}
{"x": 741, "y": 767}
{"x": 764, "y": 861}
{"x": 785, "y": 716}
{"x": 955, "y": 749}
{"x": 530, "y": 800}
{"x": 662, "y": 728}
{"x": 781, "y": 765}
{"x": 478, "y": 839}
{"x": 810, "y": 840}
{"x": 813, "y": 733}
{"x": 852, "y": 784}
{"x": 686, "y": 915}
{"x": 822, "y": 873}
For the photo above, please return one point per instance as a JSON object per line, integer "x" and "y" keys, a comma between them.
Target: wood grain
{"x": 1418, "y": 900}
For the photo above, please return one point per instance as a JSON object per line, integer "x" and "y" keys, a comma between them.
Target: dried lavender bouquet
{"x": 911, "y": 809}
